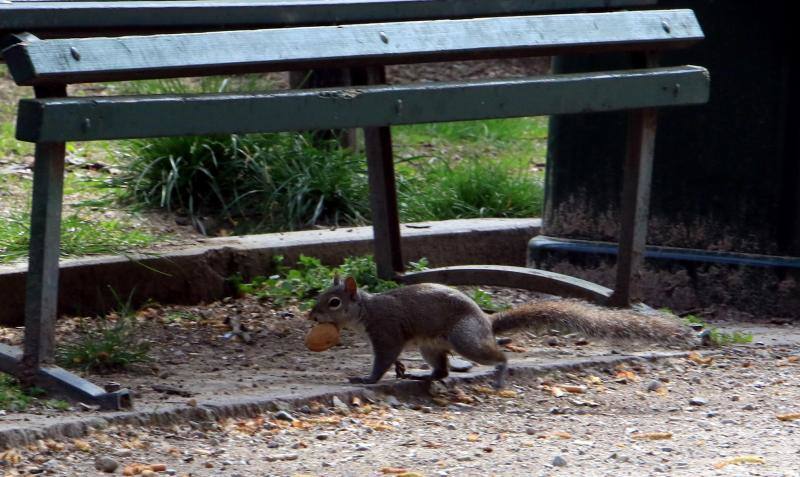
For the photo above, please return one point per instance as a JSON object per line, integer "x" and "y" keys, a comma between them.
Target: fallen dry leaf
{"x": 741, "y": 459}
{"x": 473, "y": 438}
{"x": 81, "y": 445}
{"x": 593, "y": 380}
{"x": 507, "y": 393}
{"x": 555, "y": 391}
{"x": 573, "y": 388}
{"x": 393, "y": 470}
{"x": 788, "y": 417}
{"x": 11, "y": 456}
{"x": 624, "y": 375}
{"x": 652, "y": 436}
{"x": 696, "y": 357}
{"x": 515, "y": 349}
{"x": 793, "y": 359}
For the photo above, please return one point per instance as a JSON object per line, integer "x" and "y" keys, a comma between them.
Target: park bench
{"x": 366, "y": 36}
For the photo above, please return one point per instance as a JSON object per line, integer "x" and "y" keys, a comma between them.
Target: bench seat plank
{"x": 92, "y": 118}
{"x": 56, "y": 17}
{"x": 200, "y": 54}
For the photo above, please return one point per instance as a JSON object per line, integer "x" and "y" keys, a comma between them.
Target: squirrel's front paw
{"x": 362, "y": 380}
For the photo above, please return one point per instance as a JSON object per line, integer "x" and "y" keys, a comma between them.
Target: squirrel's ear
{"x": 350, "y": 286}
{"x": 337, "y": 280}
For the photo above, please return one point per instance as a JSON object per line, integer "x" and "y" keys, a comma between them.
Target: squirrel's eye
{"x": 334, "y": 303}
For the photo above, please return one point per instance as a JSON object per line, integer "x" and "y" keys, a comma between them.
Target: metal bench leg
{"x": 635, "y": 203}
{"x": 383, "y": 194}
{"x": 41, "y": 297}
{"x": 35, "y": 365}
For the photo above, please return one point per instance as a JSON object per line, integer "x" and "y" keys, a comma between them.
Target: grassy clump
{"x": 79, "y": 236}
{"x": 469, "y": 189}
{"x": 309, "y": 277}
{"x": 107, "y": 344}
{"x": 264, "y": 182}
{"x": 716, "y": 336}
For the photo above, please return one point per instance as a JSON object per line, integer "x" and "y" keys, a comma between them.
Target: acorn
{"x": 322, "y": 336}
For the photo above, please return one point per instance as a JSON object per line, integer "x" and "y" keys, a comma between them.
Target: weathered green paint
{"x": 136, "y": 57}
{"x": 41, "y": 298}
{"x": 83, "y": 119}
{"x": 131, "y": 16}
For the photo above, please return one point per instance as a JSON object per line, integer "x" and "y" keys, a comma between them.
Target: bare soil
{"x": 734, "y": 413}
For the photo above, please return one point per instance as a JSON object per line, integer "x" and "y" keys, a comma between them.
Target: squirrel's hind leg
{"x": 481, "y": 348}
{"x": 437, "y": 358}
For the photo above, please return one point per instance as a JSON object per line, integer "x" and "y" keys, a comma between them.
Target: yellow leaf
{"x": 593, "y": 380}
{"x": 562, "y": 435}
{"x": 507, "y": 393}
{"x": 82, "y": 445}
{"x": 788, "y": 417}
{"x": 652, "y": 436}
{"x": 473, "y": 437}
{"x": 742, "y": 459}
{"x": 483, "y": 389}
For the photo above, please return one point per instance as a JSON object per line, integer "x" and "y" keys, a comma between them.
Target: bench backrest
{"x": 160, "y": 56}
{"x": 53, "y": 19}
{"x": 45, "y": 63}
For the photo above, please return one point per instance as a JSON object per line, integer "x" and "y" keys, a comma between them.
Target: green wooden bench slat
{"x": 68, "y": 119}
{"x": 135, "y": 57}
{"x": 131, "y": 16}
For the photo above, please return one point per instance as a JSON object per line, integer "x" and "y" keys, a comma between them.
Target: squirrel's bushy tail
{"x": 592, "y": 320}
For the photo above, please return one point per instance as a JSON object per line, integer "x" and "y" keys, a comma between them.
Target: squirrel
{"x": 440, "y": 320}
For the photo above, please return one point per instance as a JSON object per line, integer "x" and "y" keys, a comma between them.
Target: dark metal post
{"x": 383, "y": 192}
{"x": 638, "y": 171}
{"x": 41, "y": 299}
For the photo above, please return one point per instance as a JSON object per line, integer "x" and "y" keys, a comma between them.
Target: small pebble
{"x": 105, "y": 464}
{"x": 698, "y": 401}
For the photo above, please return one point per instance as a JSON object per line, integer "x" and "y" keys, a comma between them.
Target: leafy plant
{"x": 486, "y": 302}
{"x": 309, "y": 277}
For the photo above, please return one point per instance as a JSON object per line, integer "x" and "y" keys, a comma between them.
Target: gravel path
{"x": 729, "y": 414}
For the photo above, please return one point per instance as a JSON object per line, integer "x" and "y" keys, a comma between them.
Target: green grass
{"x": 79, "y": 237}
{"x": 13, "y": 398}
{"x": 718, "y": 337}
{"x": 107, "y": 344}
{"x": 9, "y": 146}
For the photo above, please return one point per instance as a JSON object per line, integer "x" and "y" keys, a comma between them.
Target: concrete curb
{"x": 20, "y": 435}
{"x": 200, "y": 273}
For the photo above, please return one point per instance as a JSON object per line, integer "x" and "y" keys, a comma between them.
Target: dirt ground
{"x": 731, "y": 414}
{"x": 194, "y": 355}
{"x": 679, "y": 417}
